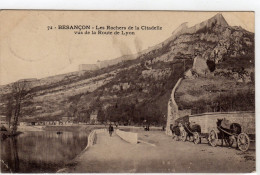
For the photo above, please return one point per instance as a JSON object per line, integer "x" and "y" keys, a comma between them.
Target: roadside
{"x": 114, "y": 155}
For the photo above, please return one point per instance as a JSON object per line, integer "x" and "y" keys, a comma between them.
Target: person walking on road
{"x": 110, "y": 129}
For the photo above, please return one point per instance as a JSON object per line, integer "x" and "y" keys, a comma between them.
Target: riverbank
{"x": 73, "y": 128}
{"x": 43, "y": 151}
{"x": 81, "y": 127}
{"x": 62, "y": 128}
{"x": 5, "y": 134}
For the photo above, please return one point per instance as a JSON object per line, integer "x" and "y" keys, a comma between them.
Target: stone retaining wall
{"x": 127, "y": 136}
{"x": 207, "y": 121}
{"x": 173, "y": 112}
{"x": 92, "y": 138}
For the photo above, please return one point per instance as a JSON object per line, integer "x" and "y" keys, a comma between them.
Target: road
{"x": 158, "y": 153}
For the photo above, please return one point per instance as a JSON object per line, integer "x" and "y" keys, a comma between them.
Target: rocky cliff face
{"x": 222, "y": 75}
{"x": 212, "y": 55}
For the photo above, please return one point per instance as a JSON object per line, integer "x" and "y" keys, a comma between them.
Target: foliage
{"x": 246, "y": 61}
{"x": 136, "y": 93}
{"x": 20, "y": 93}
{"x": 240, "y": 101}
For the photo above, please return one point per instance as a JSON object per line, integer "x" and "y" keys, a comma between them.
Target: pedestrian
{"x": 110, "y": 129}
{"x": 163, "y": 128}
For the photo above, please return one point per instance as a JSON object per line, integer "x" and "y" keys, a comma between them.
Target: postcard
{"x": 127, "y": 91}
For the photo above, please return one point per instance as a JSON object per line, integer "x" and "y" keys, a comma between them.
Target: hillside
{"x": 213, "y": 56}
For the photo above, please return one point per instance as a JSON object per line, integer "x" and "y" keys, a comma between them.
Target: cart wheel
{"x": 196, "y": 137}
{"x": 183, "y": 136}
{"x": 191, "y": 139}
{"x": 231, "y": 141}
{"x": 213, "y": 138}
{"x": 178, "y": 138}
{"x": 243, "y": 142}
{"x": 175, "y": 137}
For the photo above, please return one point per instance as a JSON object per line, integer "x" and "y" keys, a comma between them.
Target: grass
{"x": 247, "y": 61}
{"x": 205, "y": 94}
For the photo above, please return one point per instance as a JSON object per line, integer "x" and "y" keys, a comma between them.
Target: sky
{"x": 29, "y": 50}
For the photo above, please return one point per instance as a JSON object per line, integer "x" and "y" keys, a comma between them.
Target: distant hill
{"x": 215, "y": 59}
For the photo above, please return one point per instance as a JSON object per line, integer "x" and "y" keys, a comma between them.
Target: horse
{"x": 146, "y": 128}
{"x": 225, "y": 132}
{"x": 191, "y": 128}
{"x": 175, "y": 131}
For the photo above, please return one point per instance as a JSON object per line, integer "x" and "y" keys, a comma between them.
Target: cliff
{"x": 212, "y": 57}
{"x": 222, "y": 74}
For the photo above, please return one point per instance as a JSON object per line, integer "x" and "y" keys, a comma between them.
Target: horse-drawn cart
{"x": 230, "y": 127}
{"x": 189, "y": 131}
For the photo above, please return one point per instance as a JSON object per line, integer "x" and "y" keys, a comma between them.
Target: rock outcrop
{"x": 134, "y": 88}
{"x": 222, "y": 56}
{"x": 200, "y": 66}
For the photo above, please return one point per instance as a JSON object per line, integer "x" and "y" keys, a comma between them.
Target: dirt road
{"x": 114, "y": 155}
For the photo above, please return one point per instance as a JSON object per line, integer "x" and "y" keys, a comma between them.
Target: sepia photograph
{"x": 127, "y": 91}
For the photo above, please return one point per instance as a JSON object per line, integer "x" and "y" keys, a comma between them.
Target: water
{"x": 41, "y": 151}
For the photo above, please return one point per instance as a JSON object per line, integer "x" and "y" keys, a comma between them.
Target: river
{"x": 41, "y": 151}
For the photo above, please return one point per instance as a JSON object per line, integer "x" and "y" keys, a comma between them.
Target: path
{"x": 114, "y": 155}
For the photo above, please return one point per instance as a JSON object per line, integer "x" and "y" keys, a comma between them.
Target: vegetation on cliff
{"x": 135, "y": 90}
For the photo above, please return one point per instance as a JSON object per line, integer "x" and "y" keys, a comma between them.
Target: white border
{"x": 206, "y": 5}
{"x": 187, "y": 5}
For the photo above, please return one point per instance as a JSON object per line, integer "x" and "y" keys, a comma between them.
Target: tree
{"x": 101, "y": 116}
{"x": 20, "y": 92}
{"x": 72, "y": 108}
{"x": 9, "y": 111}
